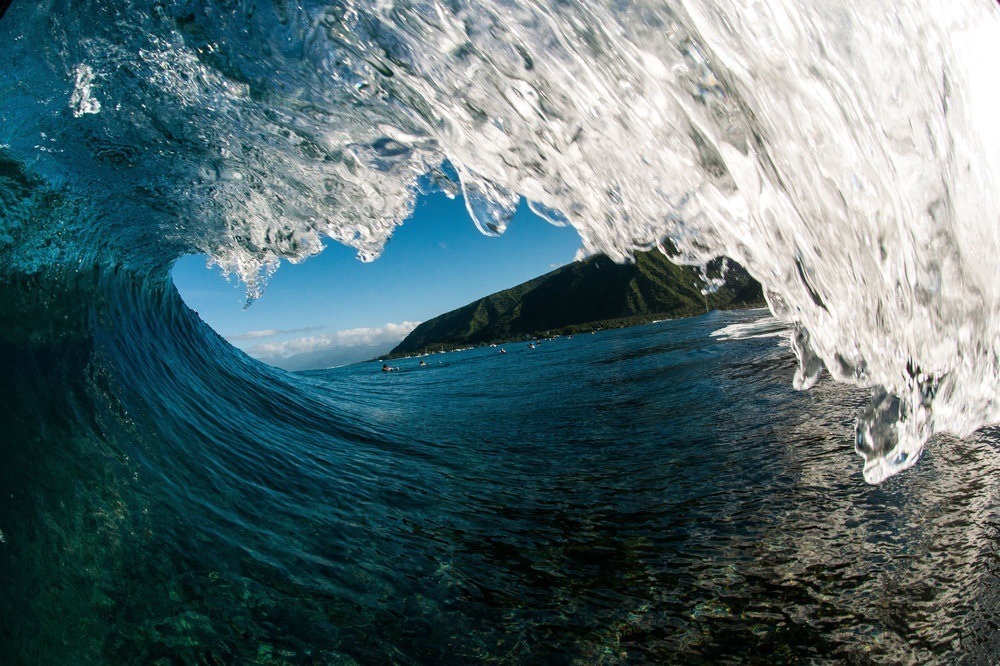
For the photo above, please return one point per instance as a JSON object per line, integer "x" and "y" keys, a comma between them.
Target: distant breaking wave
{"x": 846, "y": 153}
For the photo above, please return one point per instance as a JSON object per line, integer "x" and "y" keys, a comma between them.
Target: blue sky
{"x": 437, "y": 261}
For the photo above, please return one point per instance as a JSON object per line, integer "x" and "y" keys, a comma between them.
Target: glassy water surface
{"x": 653, "y": 494}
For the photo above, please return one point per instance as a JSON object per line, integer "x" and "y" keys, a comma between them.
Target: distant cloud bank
{"x": 272, "y": 333}
{"x": 279, "y": 347}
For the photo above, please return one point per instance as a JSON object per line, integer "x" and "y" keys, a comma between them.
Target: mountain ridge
{"x": 587, "y": 295}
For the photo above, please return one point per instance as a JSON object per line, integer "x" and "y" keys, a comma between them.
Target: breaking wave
{"x": 846, "y": 154}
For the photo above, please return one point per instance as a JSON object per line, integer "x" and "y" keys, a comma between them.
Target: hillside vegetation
{"x": 587, "y": 295}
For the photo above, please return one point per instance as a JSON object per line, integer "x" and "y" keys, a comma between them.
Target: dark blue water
{"x": 652, "y": 494}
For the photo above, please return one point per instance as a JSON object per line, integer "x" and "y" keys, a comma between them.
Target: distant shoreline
{"x": 573, "y": 329}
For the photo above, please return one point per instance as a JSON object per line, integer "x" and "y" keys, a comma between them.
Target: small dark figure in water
{"x": 423, "y": 363}
{"x": 503, "y": 351}
{"x": 386, "y": 368}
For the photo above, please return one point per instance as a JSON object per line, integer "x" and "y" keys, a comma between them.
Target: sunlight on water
{"x": 647, "y": 494}
{"x": 846, "y": 155}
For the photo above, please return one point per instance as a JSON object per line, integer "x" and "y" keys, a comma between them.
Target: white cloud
{"x": 272, "y": 333}
{"x": 386, "y": 336}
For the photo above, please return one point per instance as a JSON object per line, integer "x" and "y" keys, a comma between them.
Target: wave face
{"x": 847, "y": 156}
{"x": 658, "y": 495}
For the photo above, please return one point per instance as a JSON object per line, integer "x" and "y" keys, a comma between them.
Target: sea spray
{"x": 846, "y": 155}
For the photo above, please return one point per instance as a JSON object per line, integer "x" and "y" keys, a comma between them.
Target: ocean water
{"x": 646, "y": 495}
{"x": 654, "y": 494}
{"x": 846, "y": 155}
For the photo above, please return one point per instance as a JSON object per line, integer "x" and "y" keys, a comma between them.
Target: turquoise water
{"x": 653, "y": 494}
{"x": 649, "y": 495}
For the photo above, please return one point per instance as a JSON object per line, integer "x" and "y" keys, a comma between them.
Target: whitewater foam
{"x": 846, "y": 155}
{"x": 82, "y": 101}
{"x": 767, "y": 327}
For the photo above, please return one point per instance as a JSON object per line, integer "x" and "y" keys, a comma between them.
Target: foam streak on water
{"x": 846, "y": 154}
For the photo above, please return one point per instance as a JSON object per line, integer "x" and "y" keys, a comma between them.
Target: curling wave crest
{"x": 845, "y": 153}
